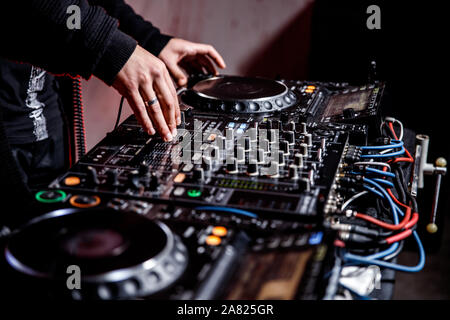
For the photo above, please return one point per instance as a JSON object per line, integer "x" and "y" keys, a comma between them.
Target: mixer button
{"x": 213, "y": 241}
{"x": 219, "y": 231}
{"x": 72, "y": 181}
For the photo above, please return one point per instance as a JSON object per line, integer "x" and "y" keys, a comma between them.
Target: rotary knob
{"x": 293, "y": 172}
{"x": 252, "y": 169}
{"x": 232, "y": 166}
{"x": 290, "y": 137}
{"x": 92, "y": 176}
{"x": 304, "y": 149}
{"x": 112, "y": 178}
{"x": 284, "y": 146}
{"x": 199, "y": 175}
{"x": 281, "y": 157}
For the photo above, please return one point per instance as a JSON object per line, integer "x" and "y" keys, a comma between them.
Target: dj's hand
{"x": 143, "y": 79}
{"x": 192, "y": 57}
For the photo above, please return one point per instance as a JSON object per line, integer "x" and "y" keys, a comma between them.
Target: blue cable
{"x": 381, "y": 189}
{"x": 387, "y": 155}
{"x": 382, "y": 181}
{"x": 417, "y": 268}
{"x": 383, "y": 173}
{"x": 396, "y": 144}
{"x": 372, "y": 259}
{"x": 229, "y": 210}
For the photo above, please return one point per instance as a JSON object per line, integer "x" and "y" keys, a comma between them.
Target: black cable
{"x": 78, "y": 117}
{"x": 395, "y": 253}
{"x": 119, "y": 113}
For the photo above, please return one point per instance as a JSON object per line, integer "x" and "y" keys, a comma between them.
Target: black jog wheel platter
{"x": 240, "y": 95}
{"x": 120, "y": 255}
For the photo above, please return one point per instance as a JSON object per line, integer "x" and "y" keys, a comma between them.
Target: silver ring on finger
{"x": 151, "y": 102}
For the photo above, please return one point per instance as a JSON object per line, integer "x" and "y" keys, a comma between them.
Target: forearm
{"x": 36, "y": 31}
{"x": 147, "y": 35}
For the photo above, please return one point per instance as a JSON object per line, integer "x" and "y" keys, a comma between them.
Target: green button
{"x": 52, "y": 196}
{"x": 194, "y": 193}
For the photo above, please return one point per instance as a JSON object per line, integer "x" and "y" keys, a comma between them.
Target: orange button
{"x": 311, "y": 87}
{"x": 179, "y": 178}
{"x": 72, "y": 181}
{"x": 220, "y": 231}
{"x": 309, "y": 91}
{"x": 213, "y": 241}
{"x": 84, "y": 202}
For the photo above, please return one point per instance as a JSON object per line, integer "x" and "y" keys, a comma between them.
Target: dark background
{"x": 409, "y": 51}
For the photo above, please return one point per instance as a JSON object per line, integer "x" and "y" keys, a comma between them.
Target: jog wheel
{"x": 119, "y": 255}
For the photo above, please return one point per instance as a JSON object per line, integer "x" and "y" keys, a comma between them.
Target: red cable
{"x": 385, "y": 225}
{"x": 409, "y": 159}
{"x": 403, "y": 235}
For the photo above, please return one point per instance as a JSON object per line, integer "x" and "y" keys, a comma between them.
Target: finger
{"x": 207, "y": 64}
{"x": 138, "y": 105}
{"x": 155, "y": 113}
{"x": 213, "y": 54}
{"x": 167, "y": 103}
{"x": 193, "y": 66}
{"x": 177, "y": 113}
{"x": 177, "y": 73}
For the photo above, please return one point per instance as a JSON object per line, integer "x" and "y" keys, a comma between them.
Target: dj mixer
{"x": 252, "y": 184}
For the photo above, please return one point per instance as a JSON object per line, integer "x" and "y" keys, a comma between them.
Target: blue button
{"x": 315, "y": 238}
{"x": 231, "y": 125}
{"x": 243, "y": 126}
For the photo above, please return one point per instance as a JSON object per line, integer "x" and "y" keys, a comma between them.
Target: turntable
{"x": 120, "y": 255}
{"x": 240, "y": 95}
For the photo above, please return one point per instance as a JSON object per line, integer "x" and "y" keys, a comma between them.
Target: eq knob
{"x": 153, "y": 182}
{"x": 274, "y": 169}
{"x": 198, "y": 174}
{"x": 240, "y": 154}
{"x": 261, "y": 156}
{"x": 304, "y": 184}
{"x": 221, "y": 143}
{"x": 92, "y": 176}
{"x": 252, "y": 169}
{"x": 291, "y": 126}
{"x": 304, "y": 149}
{"x": 319, "y": 155}
{"x": 272, "y": 135}
{"x": 247, "y": 144}
{"x": 232, "y": 165}
{"x": 284, "y": 146}
{"x": 290, "y": 137}
{"x": 281, "y": 156}
{"x": 112, "y": 178}
{"x": 144, "y": 169}
{"x": 293, "y": 172}
{"x": 134, "y": 180}
{"x": 323, "y": 143}
{"x": 303, "y": 128}
{"x": 308, "y": 139}
{"x": 207, "y": 163}
{"x": 298, "y": 160}
{"x": 264, "y": 144}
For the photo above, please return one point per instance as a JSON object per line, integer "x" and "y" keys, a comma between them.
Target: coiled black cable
{"x": 78, "y": 118}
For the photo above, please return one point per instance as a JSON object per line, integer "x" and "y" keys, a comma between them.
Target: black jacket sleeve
{"x": 147, "y": 35}
{"x": 35, "y": 31}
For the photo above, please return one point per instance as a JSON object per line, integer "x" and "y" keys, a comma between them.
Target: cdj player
{"x": 238, "y": 206}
